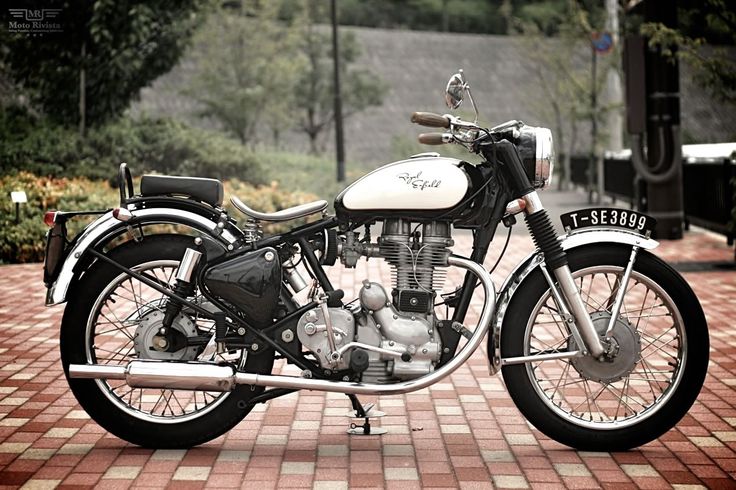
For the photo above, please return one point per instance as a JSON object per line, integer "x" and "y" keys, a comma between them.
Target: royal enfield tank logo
{"x": 417, "y": 182}
{"x": 34, "y": 21}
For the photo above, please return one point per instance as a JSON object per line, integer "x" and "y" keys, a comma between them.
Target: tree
{"x": 106, "y": 52}
{"x": 715, "y": 68}
{"x": 561, "y": 65}
{"x": 314, "y": 92}
{"x": 246, "y": 66}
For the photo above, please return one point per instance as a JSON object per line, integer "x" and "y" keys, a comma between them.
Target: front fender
{"x": 107, "y": 227}
{"x": 586, "y": 236}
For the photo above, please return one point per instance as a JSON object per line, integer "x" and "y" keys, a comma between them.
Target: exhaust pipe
{"x": 211, "y": 377}
{"x": 161, "y": 374}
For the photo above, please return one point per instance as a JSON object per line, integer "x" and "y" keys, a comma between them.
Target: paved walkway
{"x": 464, "y": 432}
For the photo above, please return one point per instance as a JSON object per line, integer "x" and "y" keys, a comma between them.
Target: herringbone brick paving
{"x": 464, "y": 432}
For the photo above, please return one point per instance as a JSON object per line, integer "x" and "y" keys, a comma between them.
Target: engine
{"x": 387, "y": 336}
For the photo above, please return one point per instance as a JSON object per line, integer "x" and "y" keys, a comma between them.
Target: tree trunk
{"x": 313, "y": 147}
{"x": 445, "y": 17}
{"x": 83, "y": 92}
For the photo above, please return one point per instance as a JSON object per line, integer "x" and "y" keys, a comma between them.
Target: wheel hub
{"x": 623, "y": 353}
{"x": 150, "y": 345}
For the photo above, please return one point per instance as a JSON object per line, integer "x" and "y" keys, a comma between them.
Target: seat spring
{"x": 252, "y": 231}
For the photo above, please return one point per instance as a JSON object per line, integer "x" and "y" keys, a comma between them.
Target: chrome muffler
{"x": 161, "y": 374}
{"x": 211, "y": 377}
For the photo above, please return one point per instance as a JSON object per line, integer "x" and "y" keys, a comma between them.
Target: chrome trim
{"x": 101, "y": 228}
{"x": 160, "y": 374}
{"x": 512, "y": 282}
{"x": 533, "y": 203}
{"x": 510, "y": 361}
{"x": 299, "y": 211}
{"x": 560, "y": 302}
{"x": 575, "y": 303}
{"x": 570, "y": 241}
{"x": 199, "y": 376}
{"x": 621, "y": 292}
{"x": 426, "y": 154}
{"x": 360, "y": 345}
{"x": 545, "y": 157}
{"x": 597, "y": 235}
{"x": 187, "y": 265}
{"x": 95, "y": 371}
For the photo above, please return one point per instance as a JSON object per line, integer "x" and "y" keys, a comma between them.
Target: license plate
{"x": 607, "y": 218}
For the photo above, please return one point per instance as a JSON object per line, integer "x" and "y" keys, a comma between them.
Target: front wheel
{"x": 113, "y": 319}
{"x": 660, "y": 356}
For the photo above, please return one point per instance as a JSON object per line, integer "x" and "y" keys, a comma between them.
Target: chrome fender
{"x": 570, "y": 241}
{"x": 107, "y": 225}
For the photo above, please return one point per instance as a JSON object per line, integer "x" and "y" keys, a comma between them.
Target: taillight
{"x": 121, "y": 214}
{"x": 49, "y": 218}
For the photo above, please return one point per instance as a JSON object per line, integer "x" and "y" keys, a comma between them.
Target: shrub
{"x": 148, "y": 145}
{"x": 24, "y": 242}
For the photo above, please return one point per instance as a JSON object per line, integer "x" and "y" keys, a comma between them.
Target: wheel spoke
{"x": 578, "y": 389}
{"x": 115, "y": 335}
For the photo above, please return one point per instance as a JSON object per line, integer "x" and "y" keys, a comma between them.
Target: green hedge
{"x": 147, "y": 145}
{"x": 24, "y": 242}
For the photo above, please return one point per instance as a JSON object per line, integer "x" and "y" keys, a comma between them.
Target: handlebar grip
{"x": 430, "y": 119}
{"x": 433, "y": 138}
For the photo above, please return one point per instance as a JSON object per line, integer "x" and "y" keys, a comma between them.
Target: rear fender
{"x": 581, "y": 238}
{"x": 107, "y": 227}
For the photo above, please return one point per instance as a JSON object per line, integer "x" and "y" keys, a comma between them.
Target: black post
{"x": 664, "y": 200}
{"x": 339, "y": 142}
{"x": 17, "y": 213}
{"x": 593, "y": 124}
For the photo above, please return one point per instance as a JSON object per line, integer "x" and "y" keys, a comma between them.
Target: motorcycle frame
{"x": 514, "y": 184}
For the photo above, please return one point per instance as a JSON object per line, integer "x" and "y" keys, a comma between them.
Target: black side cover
{"x": 251, "y": 282}
{"x": 205, "y": 190}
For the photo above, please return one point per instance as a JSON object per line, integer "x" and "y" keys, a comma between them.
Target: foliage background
{"x": 23, "y": 242}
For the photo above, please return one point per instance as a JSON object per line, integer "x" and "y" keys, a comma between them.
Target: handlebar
{"x": 435, "y": 138}
{"x": 430, "y": 119}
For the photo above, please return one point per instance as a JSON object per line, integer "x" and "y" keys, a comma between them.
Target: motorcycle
{"x": 176, "y": 311}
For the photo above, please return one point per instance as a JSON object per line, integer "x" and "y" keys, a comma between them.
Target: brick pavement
{"x": 463, "y": 432}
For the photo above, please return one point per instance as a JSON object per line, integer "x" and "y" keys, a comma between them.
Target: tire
{"x": 637, "y": 397}
{"x": 91, "y": 331}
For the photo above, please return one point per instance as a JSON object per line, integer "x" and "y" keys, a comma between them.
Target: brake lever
{"x": 456, "y": 121}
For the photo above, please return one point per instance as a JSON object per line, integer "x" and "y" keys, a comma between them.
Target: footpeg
{"x": 461, "y": 329}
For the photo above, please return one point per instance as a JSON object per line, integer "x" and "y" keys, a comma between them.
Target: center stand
{"x": 366, "y": 413}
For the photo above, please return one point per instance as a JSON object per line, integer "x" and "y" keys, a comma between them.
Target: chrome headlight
{"x": 538, "y": 154}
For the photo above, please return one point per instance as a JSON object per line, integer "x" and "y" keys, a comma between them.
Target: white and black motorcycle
{"x": 170, "y": 332}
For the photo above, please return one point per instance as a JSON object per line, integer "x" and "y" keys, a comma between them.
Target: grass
{"x": 306, "y": 173}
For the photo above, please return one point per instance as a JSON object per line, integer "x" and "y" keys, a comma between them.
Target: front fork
{"x": 572, "y": 307}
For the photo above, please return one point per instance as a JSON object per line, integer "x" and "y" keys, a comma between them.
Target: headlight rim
{"x": 544, "y": 157}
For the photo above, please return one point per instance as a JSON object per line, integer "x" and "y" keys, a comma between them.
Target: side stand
{"x": 366, "y": 413}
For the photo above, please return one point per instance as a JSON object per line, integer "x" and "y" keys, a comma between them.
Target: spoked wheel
{"x": 113, "y": 319}
{"x": 657, "y": 364}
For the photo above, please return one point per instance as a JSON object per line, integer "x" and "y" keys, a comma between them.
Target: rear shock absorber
{"x": 544, "y": 236}
{"x": 183, "y": 288}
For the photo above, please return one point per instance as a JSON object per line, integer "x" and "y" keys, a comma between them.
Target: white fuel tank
{"x": 420, "y": 183}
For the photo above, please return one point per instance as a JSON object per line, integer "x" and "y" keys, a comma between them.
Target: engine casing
{"x": 312, "y": 333}
{"x": 398, "y": 332}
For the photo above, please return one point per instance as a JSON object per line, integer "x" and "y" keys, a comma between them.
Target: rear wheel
{"x": 112, "y": 319}
{"x": 660, "y": 342}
